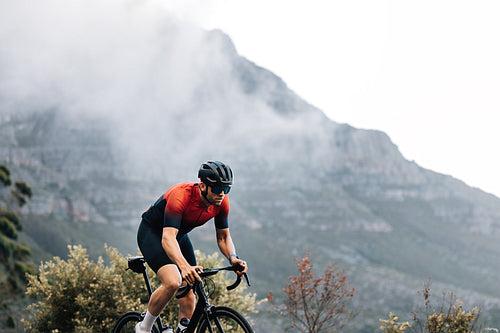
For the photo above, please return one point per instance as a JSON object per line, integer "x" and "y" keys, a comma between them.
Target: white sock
{"x": 148, "y": 322}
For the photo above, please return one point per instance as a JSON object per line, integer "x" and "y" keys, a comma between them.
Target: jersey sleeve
{"x": 173, "y": 210}
{"x": 221, "y": 219}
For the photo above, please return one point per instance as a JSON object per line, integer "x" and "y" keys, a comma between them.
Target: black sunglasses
{"x": 219, "y": 189}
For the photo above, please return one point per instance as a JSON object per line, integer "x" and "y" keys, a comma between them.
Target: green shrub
{"x": 457, "y": 320}
{"x": 449, "y": 317}
{"x": 7, "y": 228}
{"x": 22, "y": 193}
{"x": 5, "y": 175}
{"x": 392, "y": 325}
{"x": 14, "y": 257}
{"x": 11, "y": 323}
{"x": 23, "y": 188}
{"x": 12, "y": 217}
{"x": 78, "y": 295}
{"x": 5, "y": 249}
{"x": 13, "y": 283}
{"x": 78, "y": 292}
{"x": 22, "y": 268}
{"x": 21, "y": 252}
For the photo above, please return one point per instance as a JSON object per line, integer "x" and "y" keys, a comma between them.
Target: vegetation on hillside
{"x": 315, "y": 304}
{"x": 79, "y": 295}
{"x": 15, "y": 262}
{"x": 14, "y": 257}
{"x": 449, "y": 317}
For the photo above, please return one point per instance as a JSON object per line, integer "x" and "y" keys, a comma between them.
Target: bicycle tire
{"x": 126, "y": 323}
{"x": 225, "y": 320}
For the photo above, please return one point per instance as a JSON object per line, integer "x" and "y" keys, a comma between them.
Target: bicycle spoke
{"x": 224, "y": 323}
{"x": 128, "y": 327}
{"x": 218, "y": 324}
{"x": 210, "y": 329}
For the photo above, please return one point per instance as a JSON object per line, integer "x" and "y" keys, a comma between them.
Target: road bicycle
{"x": 207, "y": 318}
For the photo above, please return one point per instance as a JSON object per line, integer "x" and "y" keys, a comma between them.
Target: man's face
{"x": 213, "y": 197}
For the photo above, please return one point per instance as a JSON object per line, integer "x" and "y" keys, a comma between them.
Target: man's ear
{"x": 203, "y": 186}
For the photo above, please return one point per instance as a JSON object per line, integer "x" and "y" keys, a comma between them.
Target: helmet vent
{"x": 216, "y": 173}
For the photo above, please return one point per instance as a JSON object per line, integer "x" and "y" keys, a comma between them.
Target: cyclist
{"x": 164, "y": 242}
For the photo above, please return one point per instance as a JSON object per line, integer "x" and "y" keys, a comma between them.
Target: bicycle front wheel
{"x": 126, "y": 323}
{"x": 225, "y": 320}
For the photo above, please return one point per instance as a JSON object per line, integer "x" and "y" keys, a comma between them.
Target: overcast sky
{"x": 425, "y": 72}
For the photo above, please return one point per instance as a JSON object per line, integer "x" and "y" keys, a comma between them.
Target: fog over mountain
{"x": 142, "y": 71}
{"x": 103, "y": 105}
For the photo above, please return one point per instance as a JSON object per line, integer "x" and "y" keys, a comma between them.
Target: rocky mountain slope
{"x": 303, "y": 182}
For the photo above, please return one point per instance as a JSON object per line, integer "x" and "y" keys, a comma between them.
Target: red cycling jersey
{"x": 181, "y": 207}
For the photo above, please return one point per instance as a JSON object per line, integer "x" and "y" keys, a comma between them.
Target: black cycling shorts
{"x": 149, "y": 241}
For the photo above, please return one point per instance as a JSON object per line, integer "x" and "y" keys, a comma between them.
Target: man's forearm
{"x": 226, "y": 245}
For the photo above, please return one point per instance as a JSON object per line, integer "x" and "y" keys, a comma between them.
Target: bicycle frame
{"x": 203, "y": 308}
{"x": 142, "y": 269}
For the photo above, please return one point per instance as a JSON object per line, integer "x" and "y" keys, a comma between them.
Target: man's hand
{"x": 243, "y": 268}
{"x": 190, "y": 274}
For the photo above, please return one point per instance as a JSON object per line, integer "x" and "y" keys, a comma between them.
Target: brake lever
{"x": 240, "y": 268}
{"x": 246, "y": 278}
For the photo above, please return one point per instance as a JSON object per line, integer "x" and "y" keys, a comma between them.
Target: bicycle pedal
{"x": 168, "y": 329}
{"x": 183, "y": 324}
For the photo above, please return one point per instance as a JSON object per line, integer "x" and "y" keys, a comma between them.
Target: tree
{"x": 79, "y": 295}
{"x": 14, "y": 257}
{"x": 21, "y": 192}
{"x": 316, "y": 304}
{"x": 5, "y": 175}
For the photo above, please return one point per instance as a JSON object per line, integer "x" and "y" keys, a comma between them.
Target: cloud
{"x": 172, "y": 93}
{"x": 130, "y": 62}
{"x": 158, "y": 80}
{"x": 91, "y": 56}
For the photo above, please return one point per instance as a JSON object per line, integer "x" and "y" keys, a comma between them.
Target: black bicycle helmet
{"x": 215, "y": 173}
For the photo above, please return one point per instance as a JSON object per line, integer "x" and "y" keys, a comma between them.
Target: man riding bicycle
{"x": 164, "y": 242}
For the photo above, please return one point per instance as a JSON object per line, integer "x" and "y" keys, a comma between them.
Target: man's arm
{"x": 226, "y": 246}
{"x": 173, "y": 251}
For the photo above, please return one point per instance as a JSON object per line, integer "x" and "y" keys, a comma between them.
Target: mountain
{"x": 100, "y": 143}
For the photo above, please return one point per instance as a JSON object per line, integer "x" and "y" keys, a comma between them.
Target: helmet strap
{"x": 205, "y": 194}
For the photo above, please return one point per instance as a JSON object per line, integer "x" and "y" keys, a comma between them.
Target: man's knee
{"x": 170, "y": 277}
{"x": 173, "y": 284}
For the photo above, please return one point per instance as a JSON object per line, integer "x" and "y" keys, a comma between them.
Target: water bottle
{"x": 168, "y": 329}
{"x": 183, "y": 324}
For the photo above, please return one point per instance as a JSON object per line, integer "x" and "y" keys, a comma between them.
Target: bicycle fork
{"x": 202, "y": 310}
